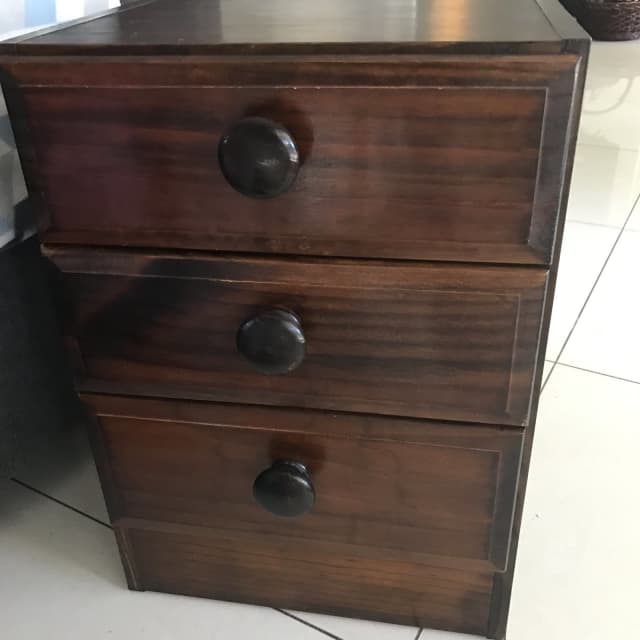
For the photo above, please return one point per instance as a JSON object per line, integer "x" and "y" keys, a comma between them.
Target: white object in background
{"x": 12, "y": 186}
{"x": 71, "y": 9}
{"x": 11, "y": 16}
{"x": 20, "y": 17}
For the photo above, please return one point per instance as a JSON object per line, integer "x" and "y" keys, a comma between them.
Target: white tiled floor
{"x": 634, "y": 220}
{"x": 578, "y": 565}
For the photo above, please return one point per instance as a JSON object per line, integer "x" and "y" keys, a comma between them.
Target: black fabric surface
{"x": 37, "y": 399}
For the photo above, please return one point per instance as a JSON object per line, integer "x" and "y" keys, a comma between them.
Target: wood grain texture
{"x": 429, "y": 130}
{"x": 425, "y": 340}
{"x": 276, "y": 26}
{"x": 389, "y": 170}
{"x": 395, "y": 499}
{"x": 262, "y": 570}
{"x": 419, "y": 489}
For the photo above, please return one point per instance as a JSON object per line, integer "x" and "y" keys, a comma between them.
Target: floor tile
{"x": 577, "y": 568}
{"x": 607, "y": 336}
{"x": 548, "y": 366}
{"x": 62, "y": 578}
{"x": 634, "y": 220}
{"x": 585, "y": 250}
{"x": 605, "y": 185}
{"x": 350, "y": 629}
{"x": 69, "y": 474}
{"x": 430, "y": 634}
{"x": 610, "y": 111}
{"x": 615, "y": 58}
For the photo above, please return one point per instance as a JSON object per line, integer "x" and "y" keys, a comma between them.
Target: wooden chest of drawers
{"x": 306, "y": 255}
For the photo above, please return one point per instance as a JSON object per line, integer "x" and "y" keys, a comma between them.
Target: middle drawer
{"x": 423, "y": 340}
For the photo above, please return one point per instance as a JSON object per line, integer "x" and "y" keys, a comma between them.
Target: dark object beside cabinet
{"x": 607, "y": 19}
{"x": 38, "y": 404}
{"x": 306, "y": 286}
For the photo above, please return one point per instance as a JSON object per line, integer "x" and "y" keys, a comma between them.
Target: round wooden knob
{"x": 285, "y": 489}
{"x": 259, "y": 158}
{"x": 272, "y": 342}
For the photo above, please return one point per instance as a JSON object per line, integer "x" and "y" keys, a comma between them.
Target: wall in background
{"x": 21, "y": 16}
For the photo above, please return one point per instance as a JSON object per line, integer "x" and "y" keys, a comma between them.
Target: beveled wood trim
{"x": 503, "y": 443}
{"x": 522, "y": 360}
{"x": 291, "y": 70}
{"x": 128, "y": 558}
{"x": 553, "y": 150}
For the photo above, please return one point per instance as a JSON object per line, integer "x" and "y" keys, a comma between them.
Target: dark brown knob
{"x": 259, "y": 158}
{"x": 285, "y": 489}
{"x": 272, "y": 342}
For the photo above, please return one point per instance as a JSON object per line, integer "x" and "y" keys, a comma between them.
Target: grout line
{"x": 595, "y": 284}
{"x": 544, "y": 382}
{"x": 613, "y": 147}
{"x": 62, "y": 504}
{"x": 418, "y": 634}
{"x": 595, "y": 224}
{"x": 598, "y": 373}
{"x": 308, "y": 624}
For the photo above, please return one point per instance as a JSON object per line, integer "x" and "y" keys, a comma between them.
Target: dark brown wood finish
{"x": 258, "y": 157}
{"x": 272, "y": 341}
{"x": 425, "y": 340}
{"x": 426, "y": 130}
{"x": 392, "y": 493}
{"x": 424, "y": 489}
{"x": 470, "y": 158}
{"x": 276, "y": 26}
{"x": 336, "y": 580}
{"x": 285, "y": 489}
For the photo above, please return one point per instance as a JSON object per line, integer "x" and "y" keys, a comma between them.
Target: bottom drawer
{"x": 390, "y": 518}
{"x": 329, "y": 579}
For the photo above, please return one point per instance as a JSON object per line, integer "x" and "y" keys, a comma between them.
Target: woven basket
{"x": 607, "y": 19}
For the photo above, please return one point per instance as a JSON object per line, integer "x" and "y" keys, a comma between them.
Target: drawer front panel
{"x": 333, "y": 580}
{"x": 416, "y": 490}
{"x": 431, "y": 341}
{"x": 434, "y": 167}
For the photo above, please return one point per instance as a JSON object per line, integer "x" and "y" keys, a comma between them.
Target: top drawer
{"x": 437, "y": 158}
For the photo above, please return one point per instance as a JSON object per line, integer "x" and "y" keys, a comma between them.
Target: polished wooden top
{"x": 312, "y": 26}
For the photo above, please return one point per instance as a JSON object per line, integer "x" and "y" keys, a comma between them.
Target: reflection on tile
{"x": 605, "y": 185}
{"x": 610, "y": 112}
{"x": 615, "y": 58}
{"x": 585, "y": 249}
{"x": 350, "y": 629}
{"x": 577, "y": 569}
{"x": 607, "y": 336}
{"x": 612, "y": 97}
{"x": 63, "y": 580}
